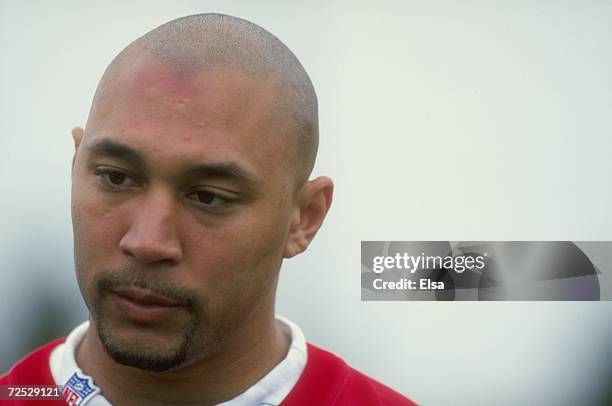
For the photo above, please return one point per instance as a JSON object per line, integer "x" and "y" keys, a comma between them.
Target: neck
{"x": 243, "y": 360}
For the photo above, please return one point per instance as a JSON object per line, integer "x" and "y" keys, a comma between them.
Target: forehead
{"x": 167, "y": 112}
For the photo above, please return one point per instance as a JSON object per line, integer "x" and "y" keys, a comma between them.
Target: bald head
{"x": 206, "y": 42}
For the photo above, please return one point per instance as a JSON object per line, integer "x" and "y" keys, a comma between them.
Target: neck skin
{"x": 244, "y": 360}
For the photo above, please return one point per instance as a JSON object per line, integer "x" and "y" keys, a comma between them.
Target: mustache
{"x": 116, "y": 279}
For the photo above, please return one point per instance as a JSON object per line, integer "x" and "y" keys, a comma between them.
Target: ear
{"x": 77, "y": 136}
{"x": 313, "y": 202}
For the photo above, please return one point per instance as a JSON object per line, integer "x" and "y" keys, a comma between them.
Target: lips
{"x": 143, "y": 307}
{"x": 145, "y": 297}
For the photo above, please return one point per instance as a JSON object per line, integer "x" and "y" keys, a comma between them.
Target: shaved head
{"x": 206, "y": 42}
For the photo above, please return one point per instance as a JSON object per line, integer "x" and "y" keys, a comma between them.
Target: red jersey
{"x": 326, "y": 381}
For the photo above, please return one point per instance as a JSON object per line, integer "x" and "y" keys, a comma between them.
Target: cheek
{"x": 96, "y": 229}
{"x": 224, "y": 257}
{"x": 237, "y": 263}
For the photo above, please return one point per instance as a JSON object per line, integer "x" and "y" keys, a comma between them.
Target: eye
{"x": 115, "y": 178}
{"x": 209, "y": 199}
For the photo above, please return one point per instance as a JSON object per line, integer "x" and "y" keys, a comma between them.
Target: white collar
{"x": 269, "y": 390}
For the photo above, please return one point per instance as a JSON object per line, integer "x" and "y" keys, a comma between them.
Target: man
{"x": 190, "y": 186}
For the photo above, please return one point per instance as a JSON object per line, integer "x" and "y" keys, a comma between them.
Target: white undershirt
{"x": 269, "y": 390}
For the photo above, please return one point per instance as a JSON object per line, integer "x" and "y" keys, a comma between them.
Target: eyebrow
{"x": 114, "y": 149}
{"x": 228, "y": 170}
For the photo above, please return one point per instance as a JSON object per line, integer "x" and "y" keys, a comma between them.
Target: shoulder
{"x": 328, "y": 380}
{"x": 33, "y": 369}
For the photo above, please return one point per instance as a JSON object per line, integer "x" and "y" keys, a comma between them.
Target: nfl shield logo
{"x": 79, "y": 389}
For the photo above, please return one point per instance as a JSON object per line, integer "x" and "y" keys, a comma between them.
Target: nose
{"x": 152, "y": 235}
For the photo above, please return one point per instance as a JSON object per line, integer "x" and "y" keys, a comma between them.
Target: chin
{"x": 155, "y": 355}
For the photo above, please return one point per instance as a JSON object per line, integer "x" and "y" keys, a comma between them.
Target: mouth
{"x": 143, "y": 306}
{"x": 145, "y": 297}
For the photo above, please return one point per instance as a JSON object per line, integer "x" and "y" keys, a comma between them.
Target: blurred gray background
{"x": 478, "y": 120}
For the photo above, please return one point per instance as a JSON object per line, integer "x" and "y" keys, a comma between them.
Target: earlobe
{"x": 314, "y": 201}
